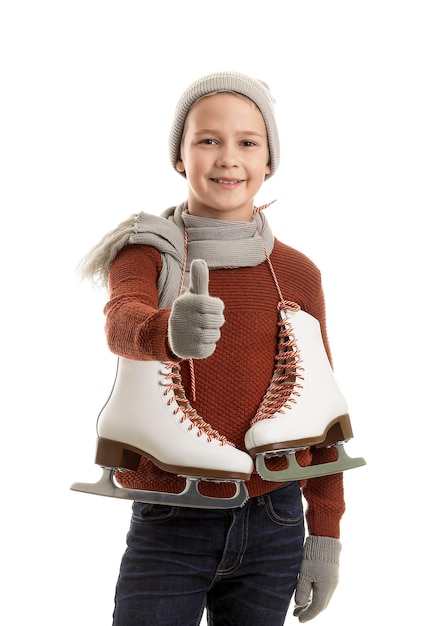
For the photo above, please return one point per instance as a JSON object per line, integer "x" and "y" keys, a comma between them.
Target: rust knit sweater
{"x": 231, "y": 383}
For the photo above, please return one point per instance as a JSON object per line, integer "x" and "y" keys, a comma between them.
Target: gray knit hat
{"x": 254, "y": 89}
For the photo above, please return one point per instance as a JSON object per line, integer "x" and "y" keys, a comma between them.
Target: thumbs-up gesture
{"x": 196, "y": 317}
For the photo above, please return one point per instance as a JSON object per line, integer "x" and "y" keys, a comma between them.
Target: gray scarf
{"x": 221, "y": 243}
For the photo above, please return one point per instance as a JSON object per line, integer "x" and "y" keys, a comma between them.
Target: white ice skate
{"x": 303, "y": 405}
{"x": 148, "y": 414}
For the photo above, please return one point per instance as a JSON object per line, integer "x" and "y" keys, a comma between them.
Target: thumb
{"x": 303, "y": 591}
{"x": 199, "y": 277}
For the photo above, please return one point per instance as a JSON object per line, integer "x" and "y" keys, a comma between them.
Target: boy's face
{"x": 225, "y": 156}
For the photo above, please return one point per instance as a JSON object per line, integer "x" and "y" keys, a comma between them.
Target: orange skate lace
{"x": 286, "y": 380}
{"x": 175, "y": 390}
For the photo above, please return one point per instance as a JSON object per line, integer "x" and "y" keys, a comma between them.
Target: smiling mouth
{"x": 226, "y": 181}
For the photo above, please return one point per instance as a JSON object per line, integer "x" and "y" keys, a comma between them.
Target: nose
{"x": 226, "y": 156}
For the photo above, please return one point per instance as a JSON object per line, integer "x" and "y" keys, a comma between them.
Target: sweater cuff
{"x": 157, "y": 337}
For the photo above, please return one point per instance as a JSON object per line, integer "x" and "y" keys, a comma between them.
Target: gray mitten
{"x": 196, "y": 317}
{"x": 318, "y": 578}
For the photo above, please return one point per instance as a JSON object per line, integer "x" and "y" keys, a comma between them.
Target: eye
{"x": 248, "y": 143}
{"x": 208, "y": 141}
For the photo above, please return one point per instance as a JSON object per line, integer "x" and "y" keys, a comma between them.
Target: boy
{"x": 243, "y": 563}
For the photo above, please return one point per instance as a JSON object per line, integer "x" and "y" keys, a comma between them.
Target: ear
{"x": 268, "y": 169}
{"x": 180, "y": 167}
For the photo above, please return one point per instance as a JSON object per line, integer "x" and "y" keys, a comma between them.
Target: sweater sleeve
{"x": 324, "y": 495}
{"x": 135, "y": 327}
{"x": 325, "y": 498}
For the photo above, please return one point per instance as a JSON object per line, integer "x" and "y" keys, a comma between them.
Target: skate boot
{"x": 148, "y": 414}
{"x": 303, "y": 405}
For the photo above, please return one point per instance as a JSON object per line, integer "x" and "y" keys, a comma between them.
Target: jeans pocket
{"x": 284, "y": 505}
{"x": 143, "y": 513}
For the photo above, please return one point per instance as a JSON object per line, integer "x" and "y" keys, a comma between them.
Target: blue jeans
{"x": 241, "y": 565}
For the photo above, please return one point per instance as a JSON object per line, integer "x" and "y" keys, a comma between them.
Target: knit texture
{"x": 221, "y": 243}
{"x": 255, "y": 90}
{"x": 318, "y": 577}
{"x": 196, "y": 317}
{"x": 230, "y": 384}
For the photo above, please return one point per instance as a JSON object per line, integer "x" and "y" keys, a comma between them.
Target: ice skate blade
{"x": 294, "y": 471}
{"x": 189, "y": 497}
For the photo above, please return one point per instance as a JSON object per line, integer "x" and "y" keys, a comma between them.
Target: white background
{"x": 88, "y": 93}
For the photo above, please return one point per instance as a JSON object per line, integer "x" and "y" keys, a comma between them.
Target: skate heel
{"x": 338, "y": 432}
{"x": 118, "y": 455}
